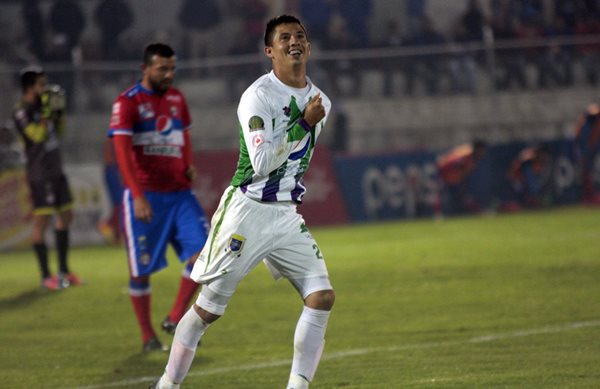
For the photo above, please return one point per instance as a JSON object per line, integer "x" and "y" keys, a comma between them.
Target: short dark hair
{"x": 276, "y": 21}
{"x": 160, "y": 49}
{"x": 30, "y": 75}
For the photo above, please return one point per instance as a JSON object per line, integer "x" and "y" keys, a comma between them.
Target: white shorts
{"x": 243, "y": 233}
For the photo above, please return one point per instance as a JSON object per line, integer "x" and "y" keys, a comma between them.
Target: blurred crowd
{"x": 518, "y": 30}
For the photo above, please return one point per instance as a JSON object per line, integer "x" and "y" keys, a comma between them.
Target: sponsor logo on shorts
{"x": 236, "y": 243}
{"x": 165, "y": 151}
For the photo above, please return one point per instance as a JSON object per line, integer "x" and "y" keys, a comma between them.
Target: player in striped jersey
{"x": 281, "y": 116}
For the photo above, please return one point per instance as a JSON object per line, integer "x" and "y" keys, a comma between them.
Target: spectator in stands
{"x": 473, "y": 22}
{"x": 33, "y": 21}
{"x": 428, "y": 68}
{"x": 530, "y": 177}
{"x": 67, "y": 21}
{"x": 557, "y": 62}
{"x": 248, "y": 41}
{"x": 510, "y": 63}
{"x": 342, "y": 38}
{"x": 317, "y": 17}
{"x": 357, "y": 14}
{"x": 113, "y": 17}
{"x": 589, "y": 24}
{"x": 462, "y": 65}
{"x": 392, "y": 38}
{"x": 454, "y": 169}
{"x": 415, "y": 10}
{"x": 200, "y": 21}
{"x": 587, "y": 142}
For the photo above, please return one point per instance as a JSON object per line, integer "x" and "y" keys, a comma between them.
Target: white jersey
{"x": 275, "y": 147}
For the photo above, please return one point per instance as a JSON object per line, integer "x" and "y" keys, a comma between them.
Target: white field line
{"x": 363, "y": 351}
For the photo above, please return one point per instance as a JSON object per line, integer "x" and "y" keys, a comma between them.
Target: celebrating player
{"x": 281, "y": 116}
{"x": 39, "y": 118}
{"x": 150, "y": 126}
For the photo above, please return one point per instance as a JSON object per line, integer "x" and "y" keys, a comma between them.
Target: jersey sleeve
{"x": 121, "y": 118}
{"x": 186, "y": 118}
{"x": 266, "y": 151}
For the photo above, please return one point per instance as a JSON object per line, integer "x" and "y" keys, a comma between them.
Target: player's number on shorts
{"x": 317, "y": 251}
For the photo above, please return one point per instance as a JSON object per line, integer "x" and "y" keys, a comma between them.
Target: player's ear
{"x": 269, "y": 51}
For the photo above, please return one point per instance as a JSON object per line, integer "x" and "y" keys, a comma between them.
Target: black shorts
{"x": 51, "y": 196}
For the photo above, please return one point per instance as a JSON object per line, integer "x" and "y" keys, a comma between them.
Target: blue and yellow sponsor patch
{"x": 236, "y": 243}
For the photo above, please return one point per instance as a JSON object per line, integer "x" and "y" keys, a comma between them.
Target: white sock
{"x": 165, "y": 383}
{"x": 309, "y": 340}
{"x": 187, "y": 335}
{"x": 297, "y": 382}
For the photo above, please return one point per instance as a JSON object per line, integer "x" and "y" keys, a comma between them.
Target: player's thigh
{"x": 300, "y": 259}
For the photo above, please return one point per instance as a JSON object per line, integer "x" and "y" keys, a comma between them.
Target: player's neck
{"x": 294, "y": 76}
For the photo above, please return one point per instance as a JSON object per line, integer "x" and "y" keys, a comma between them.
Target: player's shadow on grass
{"x": 140, "y": 369}
{"x": 25, "y": 298}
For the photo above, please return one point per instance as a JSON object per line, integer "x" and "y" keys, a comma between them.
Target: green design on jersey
{"x": 295, "y": 132}
{"x": 244, "y": 171}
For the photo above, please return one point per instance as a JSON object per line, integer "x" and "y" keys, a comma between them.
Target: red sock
{"x": 187, "y": 290}
{"x": 141, "y": 306}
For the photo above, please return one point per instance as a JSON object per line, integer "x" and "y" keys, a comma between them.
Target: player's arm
{"x": 188, "y": 156}
{"x": 123, "y": 146}
{"x": 266, "y": 151}
{"x": 35, "y": 131}
{"x": 123, "y": 152}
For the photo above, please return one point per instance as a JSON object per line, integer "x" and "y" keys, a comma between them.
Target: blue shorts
{"x": 178, "y": 219}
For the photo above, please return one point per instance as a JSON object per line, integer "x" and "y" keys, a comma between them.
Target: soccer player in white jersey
{"x": 280, "y": 115}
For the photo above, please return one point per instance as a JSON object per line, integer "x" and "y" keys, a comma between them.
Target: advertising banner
{"x": 385, "y": 187}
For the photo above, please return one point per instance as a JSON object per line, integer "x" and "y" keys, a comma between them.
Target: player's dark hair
{"x": 160, "y": 49}
{"x": 29, "y": 76}
{"x": 276, "y": 21}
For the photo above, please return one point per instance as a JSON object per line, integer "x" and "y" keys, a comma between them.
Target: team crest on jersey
{"x": 164, "y": 125}
{"x": 236, "y": 243}
{"x": 174, "y": 110}
{"x": 256, "y": 123}
{"x": 145, "y": 110}
{"x": 287, "y": 111}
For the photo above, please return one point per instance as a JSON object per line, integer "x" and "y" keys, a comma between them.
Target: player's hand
{"x": 142, "y": 209}
{"x": 314, "y": 111}
{"x": 191, "y": 173}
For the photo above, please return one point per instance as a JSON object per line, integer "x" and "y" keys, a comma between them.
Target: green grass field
{"x": 508, "y": 301}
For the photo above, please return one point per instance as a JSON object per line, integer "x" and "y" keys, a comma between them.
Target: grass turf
{"x": 507, "y": 301}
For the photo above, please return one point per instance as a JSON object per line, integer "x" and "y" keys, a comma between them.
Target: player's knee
{"x": 322, "y": 300}
{"x": 205, "y": 315}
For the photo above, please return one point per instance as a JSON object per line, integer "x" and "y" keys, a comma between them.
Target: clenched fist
{"x": 314, "y": 111}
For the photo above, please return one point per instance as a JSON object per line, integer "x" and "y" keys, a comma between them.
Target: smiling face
{"x": 159, "y": 73}
{"x": 289, "y": 46}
